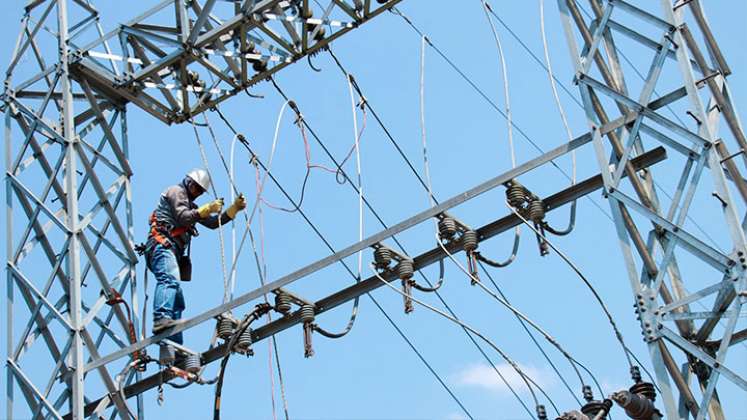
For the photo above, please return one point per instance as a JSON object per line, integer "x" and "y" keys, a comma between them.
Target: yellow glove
{"x": 212, "y": 207}
{"x": 238, "y": 204}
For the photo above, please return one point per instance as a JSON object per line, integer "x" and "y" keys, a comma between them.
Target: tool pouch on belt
{"x": 185, "y": 266}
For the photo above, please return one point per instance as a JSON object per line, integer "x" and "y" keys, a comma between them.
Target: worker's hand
{"x": 238, "y": 204}
{"x": 212, "y": 207}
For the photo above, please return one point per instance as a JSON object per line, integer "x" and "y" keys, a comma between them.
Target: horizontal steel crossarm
{"x": 324, "y": 262}
{"x": 372, "y": 283}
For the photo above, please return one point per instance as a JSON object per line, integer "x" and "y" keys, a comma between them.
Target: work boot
{"x": 162, "y": 324}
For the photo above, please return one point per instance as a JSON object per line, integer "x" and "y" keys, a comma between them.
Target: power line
{"x": 425, "y": 186}
{"x": 329, "y": 246}
{"x": 381, "y": 221}
{"x": 486, "y": 98}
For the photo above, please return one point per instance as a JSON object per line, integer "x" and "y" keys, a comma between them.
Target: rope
{"x": 261, "y": 268}
{"x": 205, "y": 163}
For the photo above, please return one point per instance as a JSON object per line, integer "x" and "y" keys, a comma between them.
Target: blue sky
{"x": 372, "y": 373}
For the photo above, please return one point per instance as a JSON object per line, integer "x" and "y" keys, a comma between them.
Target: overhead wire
{"x": 273, "y": 343}
{"x": 570, "y": 94}
{"x": 329, "y": 246}
{"x": 531, "y": 336}
{"x": 482, "y": 94}
{"x": 432, "y": 202}
{"x": 206, "y": 164}
{"x": 429, "y": 184}
{"x": 394, "y": 238}
{"x": 528, "y": 381}
{"x": 492, "y": 104}
{"x": 510, "y": 133}
{"x": 548, "y": 337}
{"x": 352, "y": 274}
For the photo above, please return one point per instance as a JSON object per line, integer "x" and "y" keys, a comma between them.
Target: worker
{"x": 172, "y": 226}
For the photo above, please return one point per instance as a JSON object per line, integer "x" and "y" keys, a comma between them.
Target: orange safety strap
{"x": 158, "y": 236}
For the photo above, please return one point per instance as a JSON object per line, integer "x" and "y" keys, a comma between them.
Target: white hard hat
{"x": 201, "y": 177}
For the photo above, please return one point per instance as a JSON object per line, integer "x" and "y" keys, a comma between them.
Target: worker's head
{"x": 197, "y": 182}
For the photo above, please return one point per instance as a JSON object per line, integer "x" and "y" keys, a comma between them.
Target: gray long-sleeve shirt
{"x": 175, "y": 209}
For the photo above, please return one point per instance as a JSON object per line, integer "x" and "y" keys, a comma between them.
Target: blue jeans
{"x": 168, "y": 300}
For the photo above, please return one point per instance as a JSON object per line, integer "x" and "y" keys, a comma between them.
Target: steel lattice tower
{"x": 655, "y": 236}
{"x": 70, "y": 255}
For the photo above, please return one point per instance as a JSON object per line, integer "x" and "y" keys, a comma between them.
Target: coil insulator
{"x": 541, "y": 412}
{"x": 536, "y": 211}
{"x": 587, "y": 393}
{"x": 307, "y": 314}
{"x": 282, "y": 303}
{"x": 226, "y": 325}
{"x": 597, "y": 409}
{"x": 244, "y": 343}
{"x": 447, "y": 227}
{"x": 469, "y": 240}
{"x": 259, "y": 66}
{"x": 635, "y": 374}
{"x": 405, "y": 269}
{"x": 516, "y": 195}
{"x": 645, "y": 389}
{"x": 382, "y": 257}
{"x": 191, "y": 363}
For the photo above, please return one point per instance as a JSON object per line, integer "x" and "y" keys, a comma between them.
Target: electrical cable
{"x": 528, "y": 381}
{"x": 531, "y": 335}
{"x": 234, "y": 189}
{"x": 427, "y": 166}
{"x": 510, "y": 131}
{"x": 618, "y": 335}
{"x": 564, "y": 119}
{"x": 329, "y": 246}
{"x": 394, "y": 238}
{"x": 597, "y": 297}
{"x": 580, "y": 105}
{"x": 381, "y": 221}
{"x": 487, "y": 98}
{"x": 573, "y": 362}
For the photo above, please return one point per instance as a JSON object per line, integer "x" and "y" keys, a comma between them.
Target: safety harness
{"x": 162, "y": 234}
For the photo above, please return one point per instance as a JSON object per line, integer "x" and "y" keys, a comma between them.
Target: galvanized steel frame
{"x": 141, "y": 60}
{"x": 44, "y": 134}
{"x": 664, "y": 309}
